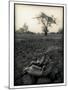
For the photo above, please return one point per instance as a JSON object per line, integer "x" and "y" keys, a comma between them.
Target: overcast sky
{"x": 26, "y": 13}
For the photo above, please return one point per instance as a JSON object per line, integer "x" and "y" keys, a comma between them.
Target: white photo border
{"x": 11, "y": 44}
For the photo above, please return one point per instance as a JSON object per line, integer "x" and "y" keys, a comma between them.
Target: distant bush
{"x": 28, "y": 32}
{"x": 61, "y": 31}
{"x": 23, "y": 29}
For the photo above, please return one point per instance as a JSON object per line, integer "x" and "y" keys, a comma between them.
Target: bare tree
{"x": 46, "y": 21}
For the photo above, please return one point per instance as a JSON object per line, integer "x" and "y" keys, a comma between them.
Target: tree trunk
{"x": 46, "y": 31}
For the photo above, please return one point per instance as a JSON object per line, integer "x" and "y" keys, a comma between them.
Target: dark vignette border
{"x": 62, "y": 36}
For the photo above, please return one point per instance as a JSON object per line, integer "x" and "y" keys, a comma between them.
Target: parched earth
{"x": 30, "y": 48}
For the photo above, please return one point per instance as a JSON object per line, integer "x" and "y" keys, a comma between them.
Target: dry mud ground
{"x": 30, "y": 47}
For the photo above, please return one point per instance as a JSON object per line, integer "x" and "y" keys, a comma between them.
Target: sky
{"x": 26, "y": 14}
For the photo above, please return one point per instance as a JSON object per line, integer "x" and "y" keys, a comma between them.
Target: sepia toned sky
{"x": 26, "y": 14}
